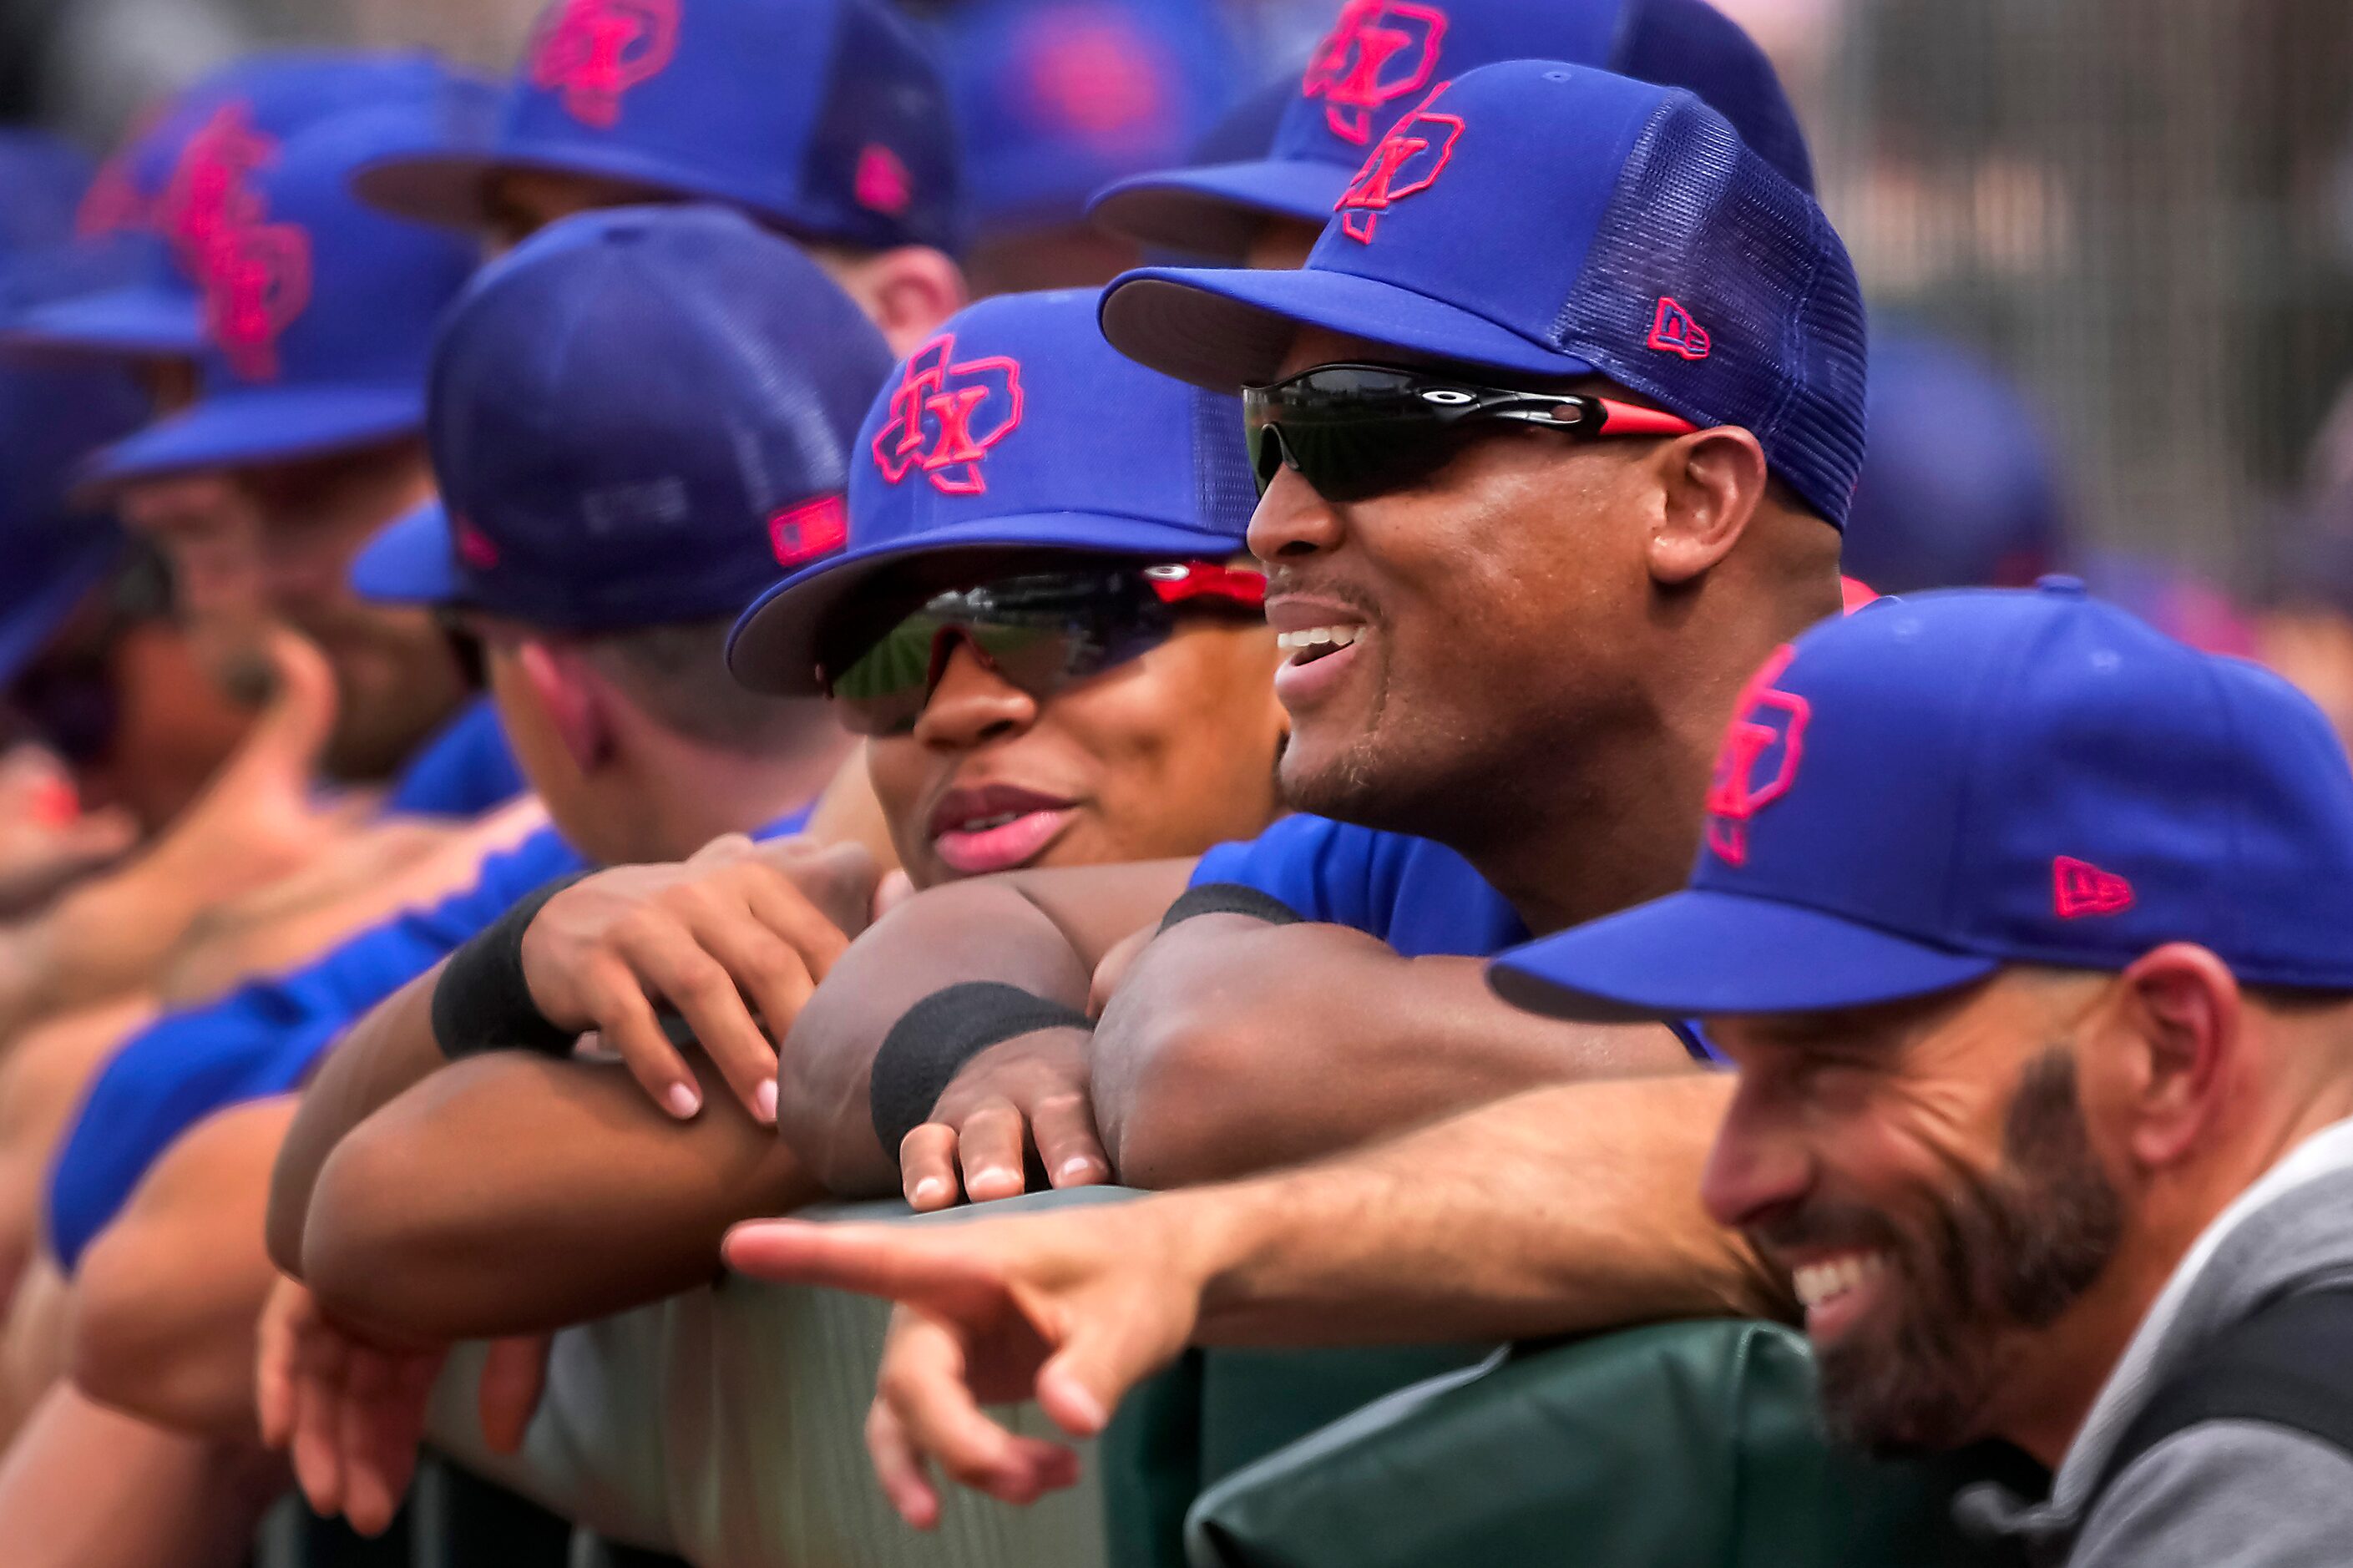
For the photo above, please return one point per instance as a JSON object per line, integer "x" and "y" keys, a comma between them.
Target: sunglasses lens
{"x": 1037, "y": 633}
{"x": 881, "y": 692}
{"x": 1357, "y": 460}
{"x": 1353, "y": 432}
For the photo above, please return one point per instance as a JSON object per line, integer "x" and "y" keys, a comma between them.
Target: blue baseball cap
{"x": 994, "y": 437}
{"x": 826, "y": 118}
{"x": 1383, "y": 58}
{"x": 42, "y": 178}
{"x": 1055, "y": 101}
{"x": 51, "y": 554}
{"x": 1932, "y": 788}
{"x": 148, "y": 218}
{"x": 1958, "y": 490}
{"x": 634, "y": 417}
{"x": 318, "y": 312}
{"x": 1543, "y": 221}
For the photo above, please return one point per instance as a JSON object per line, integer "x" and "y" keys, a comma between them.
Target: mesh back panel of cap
{"x": 1700, "y": 218}
{"x": 1690, "y": 44}
{"x": 1221, "y": 463}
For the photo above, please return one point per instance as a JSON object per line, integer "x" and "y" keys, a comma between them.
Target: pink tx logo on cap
{"x": 595, "y": 51}
{"x": 1408, "y": 160}
{"x": 1379, "y": 51}
{"x": 945, "y": 416}
{"x": 1760, "y": 760}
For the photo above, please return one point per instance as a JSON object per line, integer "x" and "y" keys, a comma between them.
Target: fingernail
{"x": 764, "y": 1099}
{"x": 683, "y": 1102}
{"x": 930, "y": 1190}
{"x": 1076, "y": 1165}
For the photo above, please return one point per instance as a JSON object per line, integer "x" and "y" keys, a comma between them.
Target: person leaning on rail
{"x": 1060, "y": 665}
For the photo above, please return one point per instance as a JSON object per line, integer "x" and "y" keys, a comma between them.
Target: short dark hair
{"x": 678, "y": 673}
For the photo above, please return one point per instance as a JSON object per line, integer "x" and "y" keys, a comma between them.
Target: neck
{"x": 686, "y": 800}
{"x": 2073, "y": 1360}
{"x": 1599, "y": 825}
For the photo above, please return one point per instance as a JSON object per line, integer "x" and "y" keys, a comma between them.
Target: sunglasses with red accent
{"x": 1357, "y": 431}
{"x": 1040, "y": 632}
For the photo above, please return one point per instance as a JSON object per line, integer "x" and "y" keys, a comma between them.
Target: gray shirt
{"x": 2237, "y": 1492}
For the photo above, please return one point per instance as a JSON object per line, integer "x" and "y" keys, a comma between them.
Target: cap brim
{"x": 122, "y": 323}
{"x": 238, "y": 429}
{"x": 451, "y": 188}
{"x": 26, "y": 629}
{"x": 1227, "y": 328}
{"x": 774, "y": 647}
{"x": 409, "y": 561}
{"x": 1218, "y": 210}
{"x": 1702, "y": 953}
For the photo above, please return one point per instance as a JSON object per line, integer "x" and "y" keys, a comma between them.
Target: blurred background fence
{"x": 2142, "y": 209}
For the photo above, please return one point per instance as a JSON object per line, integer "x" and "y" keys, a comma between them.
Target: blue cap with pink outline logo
{"x": 1541, "y": 222}
{"x": 319, "y": 313}
{"x": 1016, "y": 431}
{"x": 634, "y": 417}
{"x": 1934, "y": 787}
{"x": 150, "y": 216}
{"x": 826, "y": 118}
{"x": 1380, "y": 60}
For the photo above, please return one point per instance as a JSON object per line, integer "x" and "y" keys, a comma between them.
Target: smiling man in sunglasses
{"x": 1556, "y": 429}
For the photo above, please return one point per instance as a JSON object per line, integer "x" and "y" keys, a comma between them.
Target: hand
{"x": 514, "y": 1376}
{"x": 46, "y": 838}
{"x": 740, "y": 920}
{"x": 258, "y": 818}
{"x": 1025, "y": 1092}
{"x": 1072, "y": 1310}
{"x": 351, "y": 1411}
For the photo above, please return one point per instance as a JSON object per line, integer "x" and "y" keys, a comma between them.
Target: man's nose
{"x": 1292, "y": 521}
{"x": 971, "y": 703}
{"x": 1759, "y": 1167}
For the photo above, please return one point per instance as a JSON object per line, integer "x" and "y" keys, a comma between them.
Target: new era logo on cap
{"x": 1377, "y": 52}
{"x": 2078, "y": 888}
{"x": 1408, "y": 161}
{"x": 592, "y": 52}
{"x": 1673, "y": 330}
{"x": 947, "y": 415}
{"x": 1759, "y": 759}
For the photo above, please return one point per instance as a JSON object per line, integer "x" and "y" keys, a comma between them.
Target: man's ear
{"x": 562, "y": 685}
{"x": 2180, "y": 1020}
{"x": 1711, "y": 483}
{"x": 908, "y": 291}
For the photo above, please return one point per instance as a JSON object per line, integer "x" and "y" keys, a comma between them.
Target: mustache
{"x": 1825, "y": 1224}
{"x": 1282, "y": 579}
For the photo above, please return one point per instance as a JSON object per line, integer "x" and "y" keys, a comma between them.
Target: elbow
{"x": 373, "y": 1258}
{"x": 1172, "y": 1099}
{"x": 134, "y": 1344}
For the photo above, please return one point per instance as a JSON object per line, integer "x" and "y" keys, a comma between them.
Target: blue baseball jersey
{"x": 264, "y": 1038}
{"x": 463, "y": 771}
{"x": 1419, "y": 896}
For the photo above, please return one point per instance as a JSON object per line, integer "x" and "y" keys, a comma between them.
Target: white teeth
{"x": 1819, "y": 1282}
{"x": 1317, "y": 637}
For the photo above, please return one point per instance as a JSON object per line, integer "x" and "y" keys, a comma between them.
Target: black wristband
{"x": 932, "y": 1039}
{"x": 1229, "y": 898}
{"x": 483, "y": 1002}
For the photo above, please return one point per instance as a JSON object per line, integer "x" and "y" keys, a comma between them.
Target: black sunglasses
{"x": 1356, "y": 431}
{"x": 1040, "y": 632}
